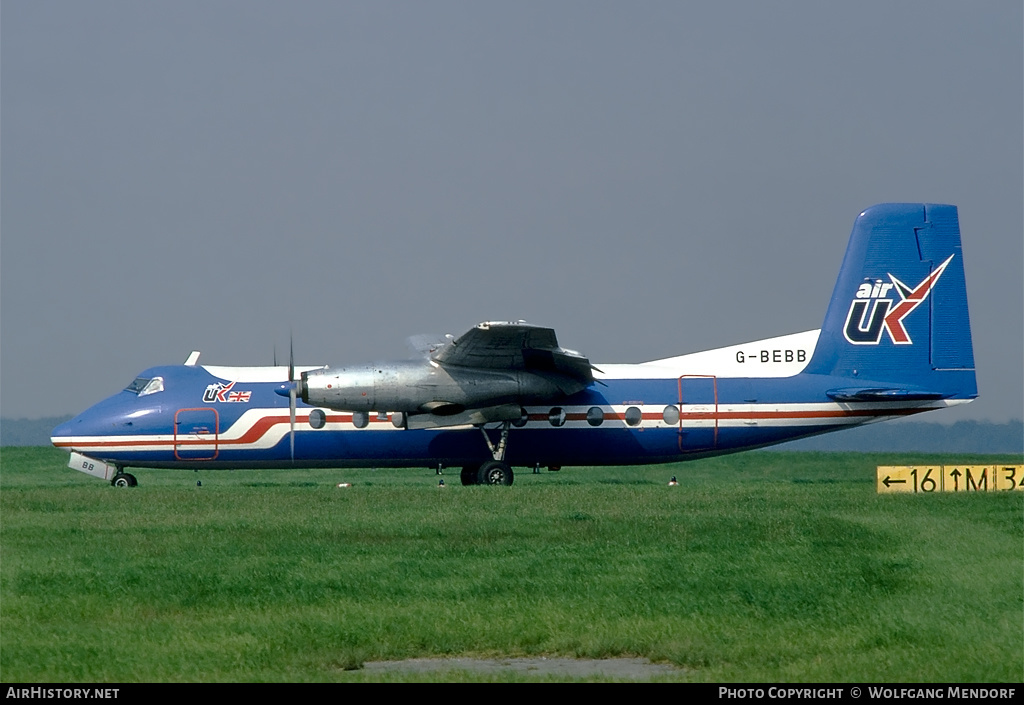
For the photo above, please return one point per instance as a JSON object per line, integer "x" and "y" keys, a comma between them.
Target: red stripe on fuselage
{"x": 263, "y": 425}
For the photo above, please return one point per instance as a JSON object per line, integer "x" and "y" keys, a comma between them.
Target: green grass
{"x": 759, "y": 567}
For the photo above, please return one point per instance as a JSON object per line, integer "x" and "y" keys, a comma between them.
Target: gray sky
{"x": 649, "y": 179}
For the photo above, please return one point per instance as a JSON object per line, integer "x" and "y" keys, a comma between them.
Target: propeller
{"x": 291, "y": 396}
{"x": 291, "y": 391}
{"x": 426, "y": 344}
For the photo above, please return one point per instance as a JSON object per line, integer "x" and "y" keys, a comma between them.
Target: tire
{"x": 495, "y": 472}
{"x": 469, "y": 475}
{"x": 123, "y": 479}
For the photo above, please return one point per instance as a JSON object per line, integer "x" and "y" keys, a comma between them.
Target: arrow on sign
{"x": 888, "y": 482}
{"x": 956, "y": 480}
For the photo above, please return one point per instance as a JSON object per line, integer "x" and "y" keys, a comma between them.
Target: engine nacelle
{"x": 418, "y": 387}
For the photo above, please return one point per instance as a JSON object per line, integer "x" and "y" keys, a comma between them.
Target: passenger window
{"x": 670, "y": 415}
{"x": 556, "y": 417}
{"x": 595, "y": 417}
{"x": 360, "y": 419}
{"x": 634, "y": 416}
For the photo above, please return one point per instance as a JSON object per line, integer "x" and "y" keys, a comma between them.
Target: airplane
{"x": 896, "y": 341}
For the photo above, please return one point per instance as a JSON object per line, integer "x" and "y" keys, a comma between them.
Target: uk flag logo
{"x": 872, "y": 310}
{"x": 221, "y": 392}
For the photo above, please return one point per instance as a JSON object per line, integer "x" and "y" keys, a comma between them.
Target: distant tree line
{"x": 28, "y": 432}
{"x": 960, "y": 437}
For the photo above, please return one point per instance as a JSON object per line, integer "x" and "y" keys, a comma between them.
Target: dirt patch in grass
{"x": 635, "y": 668}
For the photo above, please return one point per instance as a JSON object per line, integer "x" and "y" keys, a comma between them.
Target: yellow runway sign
{"x": 949, "y": 478}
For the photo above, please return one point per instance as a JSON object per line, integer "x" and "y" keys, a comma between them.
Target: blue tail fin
{"x": 899, "y": 310}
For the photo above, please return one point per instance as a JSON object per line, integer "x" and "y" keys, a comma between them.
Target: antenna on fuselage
{"x": 193, "y": 358}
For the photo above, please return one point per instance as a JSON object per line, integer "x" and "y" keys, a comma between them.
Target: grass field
{"x": 758, "y": 567}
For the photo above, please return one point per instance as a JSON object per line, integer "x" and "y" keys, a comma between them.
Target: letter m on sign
{"x": 979, "y": 485}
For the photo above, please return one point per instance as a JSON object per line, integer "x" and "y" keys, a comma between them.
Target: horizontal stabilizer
{"x": 876, "y": 394}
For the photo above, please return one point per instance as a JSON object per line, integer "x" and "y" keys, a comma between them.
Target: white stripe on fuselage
{"x": 823, "y": 415}
{"x": 249, "y": 375}
{"x": 784, "y": 356}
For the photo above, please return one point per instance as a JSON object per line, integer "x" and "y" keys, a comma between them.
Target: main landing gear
{"x": 493, "y": 472}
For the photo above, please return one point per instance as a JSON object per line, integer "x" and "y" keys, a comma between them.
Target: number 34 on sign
{"x": 950, "y": 478}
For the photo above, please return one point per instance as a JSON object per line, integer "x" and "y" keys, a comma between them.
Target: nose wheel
{"x": 123, "y": 479}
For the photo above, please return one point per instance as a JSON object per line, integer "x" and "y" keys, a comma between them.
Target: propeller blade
{"x": 291, "y": 359}
{"x": 291, "y": 421}
{"x": 425, "y": 344}
{"x": 291, "y": 395}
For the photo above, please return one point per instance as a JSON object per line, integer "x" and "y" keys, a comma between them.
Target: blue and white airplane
{"x": 896, "y": 341}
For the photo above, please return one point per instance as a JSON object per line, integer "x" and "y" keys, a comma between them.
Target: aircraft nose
{"x": 88, "y": 423}
{"x": 63, "y": 433}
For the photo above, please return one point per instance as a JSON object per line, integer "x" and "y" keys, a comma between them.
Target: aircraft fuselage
{"x": 895, "y": 341}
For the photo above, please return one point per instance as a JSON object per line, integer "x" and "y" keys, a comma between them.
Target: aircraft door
{"x": 698, "y": 413}
{"x": 196, "y": 434}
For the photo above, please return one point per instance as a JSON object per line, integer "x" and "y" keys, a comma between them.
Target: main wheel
{"x": 494, "y": 472}
{"x": 123, "y": 479}
{"x": 469, "y": 475}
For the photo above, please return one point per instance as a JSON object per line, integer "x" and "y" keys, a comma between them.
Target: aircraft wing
{"x": 515, "y": 346}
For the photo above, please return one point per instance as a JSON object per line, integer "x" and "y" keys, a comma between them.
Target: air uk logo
{"x": 223, "y": 392}
{"x": 872, "y": 310}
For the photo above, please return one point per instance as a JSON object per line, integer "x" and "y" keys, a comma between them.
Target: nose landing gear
{"x": 123, "y": 479}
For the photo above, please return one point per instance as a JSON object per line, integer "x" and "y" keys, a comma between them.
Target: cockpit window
{"x": 138, "y": 385}
{"x": 144, "y": 385}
